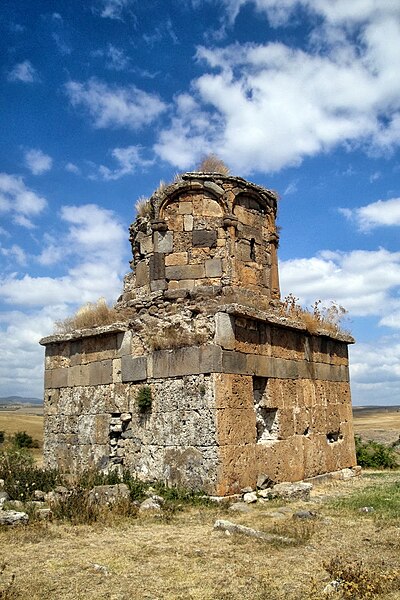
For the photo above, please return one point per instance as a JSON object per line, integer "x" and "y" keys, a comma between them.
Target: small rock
{"x": 39, "y": 495}
{"x": 126, "y": 417}
{"x": 51, "y": 497}
{"x": 367, "y": 509}
{"x": 347, "y": 474}
{"x": 149, "y": 505}
{"x": 267, "y": 493}
{"x": 246, "y": 490}
{"x": 4, "y": 497}
{"x": 305, "y": 515}
{"x": 333, "y": 586}
{"x": 250, "y": 497}
{"x": 240, "y": 507}
{"x": 2, "y": 485}
{"x": 293, "y": 491}
{"x": 13, "y": 517}
{"x": 106, "y": 494}
{"x": 101, "y": 569}
{"x": 263, "y": 482}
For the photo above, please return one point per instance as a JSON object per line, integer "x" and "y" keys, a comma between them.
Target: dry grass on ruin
{"x": 320, "y": 317}
{"x": 180, "y": 556}
{"x": 92, "y": 314}
{"x": 173, "y": 336}
{"x": 213, "y": 164}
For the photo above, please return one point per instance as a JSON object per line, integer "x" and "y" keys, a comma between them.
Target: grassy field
{"x": 381, "y": 424}
{"x": 179, "y": 556}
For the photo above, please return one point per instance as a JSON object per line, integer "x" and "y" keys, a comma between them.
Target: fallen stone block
{"x": 231, "y": 528}
{"x": 13, "y": 517}
{"x": 108, "y": 494}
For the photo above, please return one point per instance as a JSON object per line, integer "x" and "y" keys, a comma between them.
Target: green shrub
{"x": 22, "y": 477}
{"x": 21, "y": 439}
{"x": 375, "y": 455}
{"x": 144, "y": 398}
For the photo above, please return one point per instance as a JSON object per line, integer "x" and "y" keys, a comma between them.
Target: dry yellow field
{"x": 381, "y": 424}
{"x": 181, "y": 558}
{"x": 13, "y": 421}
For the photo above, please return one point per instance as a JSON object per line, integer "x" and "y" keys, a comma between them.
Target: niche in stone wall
{"x": 120, "y": 431}
{"x": 267, "y": 418}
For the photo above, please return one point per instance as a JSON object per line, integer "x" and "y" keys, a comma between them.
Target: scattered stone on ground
{"x": 305, "y": 515}
{"x": 13, "y": 517}
{"x": 230, "y": 527}
{"x": 250, "y": 497}
{"x": 240, "y": 507}
{"x": 150, "y": 504}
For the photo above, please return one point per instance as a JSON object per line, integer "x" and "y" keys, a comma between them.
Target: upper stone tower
{"x": 206, "y": 234}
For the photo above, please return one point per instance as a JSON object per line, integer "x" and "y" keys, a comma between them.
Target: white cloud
{"x": 115, "y": 106}
{"x": 128, "y": 158}
{"x": 19, "y": 200}
{"x": 375, "y": 371}
{"x": 382, "y": 213}
{"x": 116, "y": 59}
{"x": 275, "y": 104}
{"x": 364, "y": 282}
{"x": 92, "y": 251}
{"x": 72, "y": 168}
{"x": 24, "y": 72}
{"x": 114, "y": 9}
{"x": 15, "y": 253}
{"x": 21, "y": 367}
{"x": 38, "y": 162}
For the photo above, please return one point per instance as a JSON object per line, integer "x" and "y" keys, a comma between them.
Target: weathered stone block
{"x": 185, "y": 272}
{"x": 100, "y": 372}
{"x": 188, "y": 223}
{"x": 133, "y": 369}
{"x": 210, "y": 359}
{"x": 124, "y": 341}
{"x": 158, "y": 285}
{"x": 145, "y": 243}
{"x": 163, "y": 241}
{"x": 142, "y": 273}
{"x": 234, "y": 362}
{"x": 59, "y": 378}
{"x": 213, "y": 267}
{"x": 225, "y": 330}
{"x": 236, "y": 426}
{"x": 204, "y": 239}
{"x": 157, "y": 266}
{"x": 185, "y": 208}
{"x": 177, "y": 258}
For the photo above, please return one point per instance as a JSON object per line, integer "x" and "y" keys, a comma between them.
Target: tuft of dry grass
{"x": 173, "y": 336}
{"x": 213, "y": 164}
{"x": 319, "y": 317}
{"x": 144, "y": 207}
{"x": 92, "y": 314}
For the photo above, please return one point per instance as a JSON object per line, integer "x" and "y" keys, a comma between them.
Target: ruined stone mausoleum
{"x": 204, "y": 380}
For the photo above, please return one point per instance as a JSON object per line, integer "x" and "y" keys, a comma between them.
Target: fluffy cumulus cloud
{"x": 37, "y": 161}
{"x": 24, "y": 72}
{"x": 382, "y": 213}
{"x": 375, "y": 371}
{"x": 112, "y": 106}
{"x": 365, "y": 282}
{"x": 128, "y": 160}
{"x": 18, "y": 200}
{"x": 92, "y": 246}
{"x": 276, "y": 105}
{"x": 90, "y": 250}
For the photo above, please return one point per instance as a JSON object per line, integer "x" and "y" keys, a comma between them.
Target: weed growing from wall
{"x": 144, "y": 398}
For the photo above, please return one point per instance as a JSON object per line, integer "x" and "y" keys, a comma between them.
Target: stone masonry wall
{"x": 253, "y": 398}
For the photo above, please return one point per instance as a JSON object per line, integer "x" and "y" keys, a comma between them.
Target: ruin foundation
{"x": 235, "y": 387}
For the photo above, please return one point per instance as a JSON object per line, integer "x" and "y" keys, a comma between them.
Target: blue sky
{"x": 102, "y": 99}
